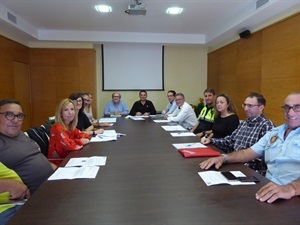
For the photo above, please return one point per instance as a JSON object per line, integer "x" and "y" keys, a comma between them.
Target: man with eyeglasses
{"x": 184, "y": 113}
{"x": 18, "y": 152}
{"x": 170, "y": 108}
{"x": 281, "y": 149}
{"x": 116, "y": 106}
{"x": 249, "y": 131}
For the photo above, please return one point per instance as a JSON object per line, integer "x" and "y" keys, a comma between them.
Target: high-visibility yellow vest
{"x": 207, "y": 114}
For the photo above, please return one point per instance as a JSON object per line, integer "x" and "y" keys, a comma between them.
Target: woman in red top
{"x": 64, "y": 136}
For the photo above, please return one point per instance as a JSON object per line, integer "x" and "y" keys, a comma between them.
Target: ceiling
{"x": 203, "y": 22}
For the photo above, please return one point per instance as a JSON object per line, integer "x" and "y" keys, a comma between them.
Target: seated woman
{"x": 64, "y": 136}
{"x": 226, "y": 120}
{"x": 83, "y": 123}
{"x": 87, "y": 108}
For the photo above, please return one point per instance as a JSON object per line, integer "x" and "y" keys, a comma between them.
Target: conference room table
{"x": 146, "y": 181}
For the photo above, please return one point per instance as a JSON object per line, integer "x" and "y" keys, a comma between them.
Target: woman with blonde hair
{"x": 64, "y": 136}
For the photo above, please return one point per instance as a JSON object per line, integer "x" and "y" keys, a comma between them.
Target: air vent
{"x": 260, "y": 3}
{"x": 11, "y": 18}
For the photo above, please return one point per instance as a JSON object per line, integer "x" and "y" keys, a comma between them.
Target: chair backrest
{"x": 41, "y": 136}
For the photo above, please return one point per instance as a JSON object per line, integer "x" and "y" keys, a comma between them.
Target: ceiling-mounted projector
{"x": 138, "y": 9}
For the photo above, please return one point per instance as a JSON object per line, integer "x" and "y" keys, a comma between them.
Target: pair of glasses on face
{"x": 244, "y": 105}
{"x": 77, "y": 101}
{"x": 12, "y": 116}
{"x": 287, "y": 108}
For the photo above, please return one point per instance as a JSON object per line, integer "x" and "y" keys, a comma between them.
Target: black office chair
{"x": 41, "y": 136}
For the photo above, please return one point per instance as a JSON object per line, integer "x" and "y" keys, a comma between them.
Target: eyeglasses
{"x": 115, "y": 96}
{"x": 87, "y": 100}
{"x": 178, "y": 99}
{"x": 76, "y": 101}
{"x": 287, "y": 108}
{"x": 244, "y": 105}
{"x": 11, "y": 116}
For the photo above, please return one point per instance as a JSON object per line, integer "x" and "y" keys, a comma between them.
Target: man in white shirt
{"x": 184, "y": 114}
{"x": 170, "y": 108}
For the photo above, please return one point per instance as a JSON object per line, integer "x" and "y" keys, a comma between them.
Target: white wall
{"x": 185, "y": 71}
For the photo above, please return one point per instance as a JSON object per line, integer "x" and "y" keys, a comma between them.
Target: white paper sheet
{"x": 136, "y": 117}
{"x": 189, "y": 145}
{"x": 161, "y": 121}
{"x": 215, "y": 177}
{"x": 107, "y": 135}
{"x": 71, "y": 173}
{"x": 87, "y": 161}
{"x": 183, "y": 134}
{"x": 107, "y": 120}
{"x": 173, "y": 128}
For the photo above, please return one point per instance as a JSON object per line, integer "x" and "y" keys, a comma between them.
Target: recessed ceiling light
{"x": 103, "y": 8}
{"x": 174, "y": 10}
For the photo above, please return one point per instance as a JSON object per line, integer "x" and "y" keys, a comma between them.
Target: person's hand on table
{"x": 146, "y": 114}
{"x": 104, "y": 124}
{"x": 99, "y": 131}
{"x": 138, "y": 114}
{"x": 270, "y": 192}
{"x": 85, "y": 141}
{"x": 205, "y": 140}
{"x": 217, "y": 161}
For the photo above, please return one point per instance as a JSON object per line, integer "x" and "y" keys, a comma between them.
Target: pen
{"x": 190, "y": 144}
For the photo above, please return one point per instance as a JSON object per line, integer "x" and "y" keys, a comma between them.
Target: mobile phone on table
{"x": 229, "y": 175}
{"x": 248, "y": 179}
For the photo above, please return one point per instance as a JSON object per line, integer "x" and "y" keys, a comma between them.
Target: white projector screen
{"x": 127, "y": 66}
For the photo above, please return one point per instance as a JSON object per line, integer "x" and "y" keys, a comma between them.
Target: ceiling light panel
{"x": 174, "y": 10}
{"x": 103, "y": 8}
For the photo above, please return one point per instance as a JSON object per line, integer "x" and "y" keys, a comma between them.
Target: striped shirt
{"x": 245, "y": 135}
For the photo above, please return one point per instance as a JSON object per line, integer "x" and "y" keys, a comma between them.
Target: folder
{"x": 198, "y": 152}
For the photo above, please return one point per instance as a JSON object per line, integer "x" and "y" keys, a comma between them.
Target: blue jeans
{"x": 8, "y": 214}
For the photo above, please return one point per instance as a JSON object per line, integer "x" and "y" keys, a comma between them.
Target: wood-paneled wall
{"x": 267, "y": 62}
{"x": 40, "y": 78}
{"x": 55, "y": 74}
{"x": 14, "y": 75}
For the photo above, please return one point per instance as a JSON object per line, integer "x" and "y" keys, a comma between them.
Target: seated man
{"x": 116, "y": 106}
{"x": 17, "y": 151}
{"x": 170, "y": 108}
{"x": 143, "y": 107}
{"x": 281, "y": 150}
{"x": 249, "y": 131}
{"x": 184, "y": 114}
{"x": 11, "y": 188}
{"x": 207, "y": 114}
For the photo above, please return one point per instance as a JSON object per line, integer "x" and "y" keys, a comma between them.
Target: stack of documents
{"x": 173, "y": 128}
{"x": 183, "y": 134}
{"x": 215, "y": 177}
{"x": 88, "y": 168}
{"x": 136, "y": 117}
{"x": 161, "y": 121}
{"x": 107, "y": 120}
{"x": 189, "y": 145}
{"x": 108, "y": 135}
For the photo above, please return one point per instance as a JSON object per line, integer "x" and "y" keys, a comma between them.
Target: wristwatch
{"x": 225, "y": 157}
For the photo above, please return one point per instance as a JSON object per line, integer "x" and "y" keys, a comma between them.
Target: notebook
{"x": 198, "y": 152}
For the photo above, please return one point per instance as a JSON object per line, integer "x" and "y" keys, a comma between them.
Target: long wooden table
{"x": 146, "y": 181}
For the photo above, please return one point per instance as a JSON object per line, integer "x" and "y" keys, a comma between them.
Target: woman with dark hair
{"x": 84, "y": 123}
{"x": 226, "y": 119}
